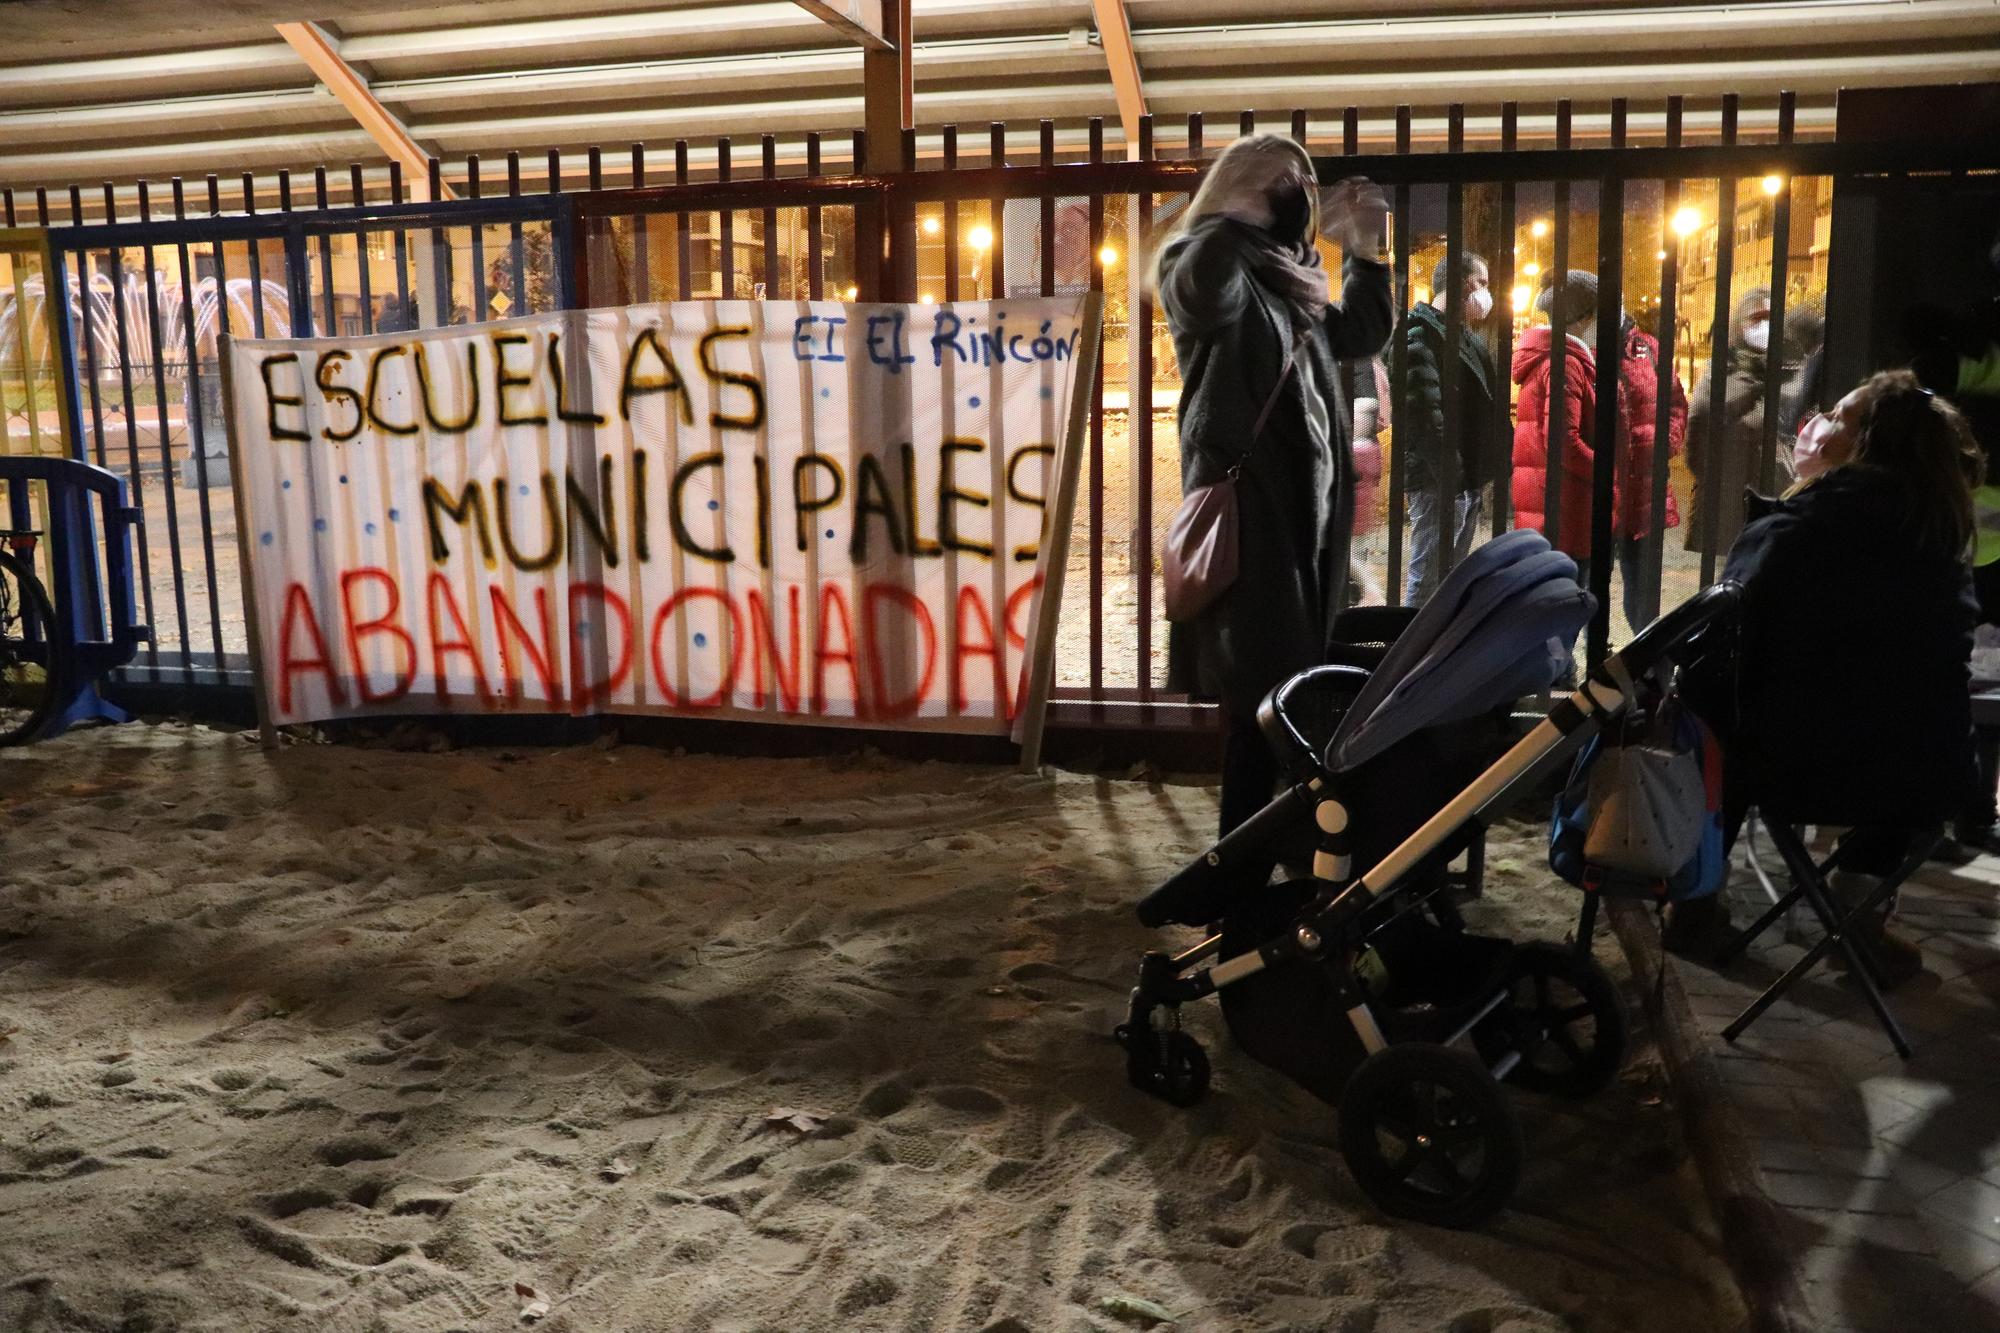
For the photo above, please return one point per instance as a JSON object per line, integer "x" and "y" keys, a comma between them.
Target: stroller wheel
{"x": 1169, "y": 1064}
{"x": 1430, "y": 1136}
{"x": 1566, "y": 1017}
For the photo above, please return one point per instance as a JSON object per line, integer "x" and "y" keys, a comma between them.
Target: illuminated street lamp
{"x": 1521, "y": 297}
{"x": 931, "y": 226}
{"x": 1107, "y": 256}
{"x": 980, "y": 238}
{"x": 1686, "y": 222}
{"x": 1538, "y": 228}
{"x": 1773, "y": 184}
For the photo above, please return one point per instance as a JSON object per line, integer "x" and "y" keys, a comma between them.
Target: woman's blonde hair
{"x": 1243, "y": 174}
{"x": 1924, "y": 441}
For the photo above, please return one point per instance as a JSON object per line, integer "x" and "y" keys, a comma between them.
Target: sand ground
{"x": 354, "y": 1040}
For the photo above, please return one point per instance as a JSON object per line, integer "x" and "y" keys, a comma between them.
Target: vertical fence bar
{"x": 1246, "y": 124}
{"x": 364, "y": 279}
{"x": 481, "y": 299}
{"x": 1719, "y": 336}
{"x": 1774, "y": 353}
{"x": 1350, "y": 131}
{"x": 996, "y": 153}
{"x": 1451, "y": 479}
{"x": 255, "y": 248}
{"x": 1299, "y": 126}
{"x": 440, "y": 248}
{"x": 328, "y": 327}
{"x": 1096, "y": 264}
{"x": 1139, "y": 419}
{"x": 1194, "y": 136}
{"x": 682, "y": 237}
{"x": 725, "y": 227}
{"x": 1606, "y": 460}
{"x": 405, "y": 312}
{"x": 950, "y": 219}
{"x": 42, "y": 204}
{"x": 8, "y": 196}
{"x": 642, "y": 259}
{"x": 815, "y": 236}
{"x": 204, "y": 509}
{"x": 595, "y": 161}
{"x": 135, "y": 470}
{"x": 1048, "y": 218}
{"x": 517, "y": 258}
{"x": 88, "y": 335}
{"x": 1654, "y": 558}
{"x": 1554, "y": 441}
{"x": 771, "y": 292}
{"x": 1399, "y": 371}
{"x": 156, "y": 329}
{"x": 1502, "y": 271}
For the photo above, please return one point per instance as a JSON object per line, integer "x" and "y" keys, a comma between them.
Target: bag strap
{"x": 1291, "y": 355}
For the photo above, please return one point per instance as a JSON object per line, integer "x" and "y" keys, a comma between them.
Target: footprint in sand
{"x": 353, "y": 1148}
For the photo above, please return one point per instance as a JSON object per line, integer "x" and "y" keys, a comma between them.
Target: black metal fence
{"x": 1667, "y": 228}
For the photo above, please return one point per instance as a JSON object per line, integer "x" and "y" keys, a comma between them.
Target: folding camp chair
{"x": 1810, "y": 884}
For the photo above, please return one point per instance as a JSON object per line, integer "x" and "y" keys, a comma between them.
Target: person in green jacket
{"x": 1448, "y": 458}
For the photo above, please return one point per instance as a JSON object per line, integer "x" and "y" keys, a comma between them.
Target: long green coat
{"x": 1295, "y": 496}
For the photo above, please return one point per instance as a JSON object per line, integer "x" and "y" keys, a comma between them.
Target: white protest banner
{"x": 789, "y": 511}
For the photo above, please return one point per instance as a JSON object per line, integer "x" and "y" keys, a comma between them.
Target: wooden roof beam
{"x": 1114, "y": 29}
{"x": 859, "y": 21}
{"x": 317, "y": 50}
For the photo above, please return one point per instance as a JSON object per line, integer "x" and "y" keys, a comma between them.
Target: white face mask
{"x": 1758, "y": 336}
{"x": 1479, "y": 305}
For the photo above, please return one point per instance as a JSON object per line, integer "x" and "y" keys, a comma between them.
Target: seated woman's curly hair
{"x": 1907, "y": 430}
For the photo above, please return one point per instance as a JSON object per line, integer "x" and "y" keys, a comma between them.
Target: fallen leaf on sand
{"x": 1135, "y": 1307}
{"x": 805, "y": 1122}
{"x": 534, "y": 1310}
{"x": 618, "y": 1169}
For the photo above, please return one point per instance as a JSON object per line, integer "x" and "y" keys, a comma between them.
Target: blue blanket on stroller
{"x": 1501, "y": 626}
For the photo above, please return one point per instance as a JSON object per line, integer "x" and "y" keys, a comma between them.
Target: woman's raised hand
{"x": 1355, "y": 214}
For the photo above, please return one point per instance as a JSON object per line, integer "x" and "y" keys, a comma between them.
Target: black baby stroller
{"x": 1361, "y": 987}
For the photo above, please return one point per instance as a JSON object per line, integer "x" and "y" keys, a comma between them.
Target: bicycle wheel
{"x": 31, "y": 657}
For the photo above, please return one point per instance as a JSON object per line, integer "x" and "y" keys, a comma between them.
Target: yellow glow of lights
{"x": 932, "y": 226}
{"x": 1521, "y": 296}
{"x": 1531, "y": 268}
{"x": 926, "y": 298}
{"x": 1538, "y": 229}
{"x": 1686, "y": 222}
{"x": 1661, "y": 255}
{"x": 1773, "y": 184}
{"x": 1107, "y": 256}
{"x": 853, "y": 292}
{"x": 980, "y": 238}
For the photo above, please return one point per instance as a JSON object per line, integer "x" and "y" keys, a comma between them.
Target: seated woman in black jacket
{"x": 1849, "y": 704}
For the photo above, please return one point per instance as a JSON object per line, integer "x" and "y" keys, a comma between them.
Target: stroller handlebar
{"x": 1672, "y": 630}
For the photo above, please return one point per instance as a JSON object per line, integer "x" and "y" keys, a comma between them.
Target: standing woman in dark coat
{"x": 1242, "y": 284}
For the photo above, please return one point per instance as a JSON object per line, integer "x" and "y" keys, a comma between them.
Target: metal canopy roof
{"x": 122, "y": 89}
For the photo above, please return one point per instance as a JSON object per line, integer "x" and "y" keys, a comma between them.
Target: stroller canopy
{"x": 1500, "y": 627}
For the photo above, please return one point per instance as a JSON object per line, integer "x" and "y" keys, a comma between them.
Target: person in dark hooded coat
{"x": 1844, "y": 700}
{"x": 1241, "y": 285}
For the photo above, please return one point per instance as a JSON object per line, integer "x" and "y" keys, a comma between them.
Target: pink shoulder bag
{"x": 1199, "y": 560}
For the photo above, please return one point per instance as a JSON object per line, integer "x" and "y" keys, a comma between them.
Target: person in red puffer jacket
{"x": 1632, "y": 493}
{"x": 1632, "y": 521}
{"x": 1571, "y": 453}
